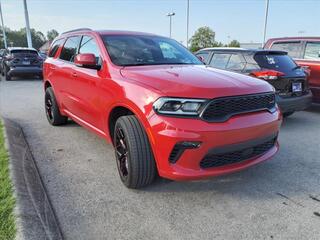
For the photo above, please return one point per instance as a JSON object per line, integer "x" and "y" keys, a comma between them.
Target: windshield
{"x": 133, "y": 50}
{"x": 278, "y": 62}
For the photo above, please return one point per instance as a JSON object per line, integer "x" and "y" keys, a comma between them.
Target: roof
{"x": 108, "y": 32}
{"x": 21, "y": 48}
{"x": 243, "y": 50}
{"x": 294, "y": 38}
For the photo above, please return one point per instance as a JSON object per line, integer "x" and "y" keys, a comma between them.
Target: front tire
{"x": 135, "y": 161}
{"x": 52, "y": 109}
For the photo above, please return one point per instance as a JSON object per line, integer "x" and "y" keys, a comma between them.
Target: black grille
{"x": 174, "y": 153}
{"x": 218, "y": 160}
{"x": 221, "y": 109}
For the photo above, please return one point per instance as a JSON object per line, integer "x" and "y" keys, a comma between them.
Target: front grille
{"x": 221, "y": 109}
{"x": 218, "y": 160}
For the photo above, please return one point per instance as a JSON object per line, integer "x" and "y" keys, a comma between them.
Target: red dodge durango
{"x": 163, "y": 110}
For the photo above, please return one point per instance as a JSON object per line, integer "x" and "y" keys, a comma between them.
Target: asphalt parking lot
{"x": 278, "y": 199}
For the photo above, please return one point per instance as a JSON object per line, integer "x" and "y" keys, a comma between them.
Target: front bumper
{"x": 166, "y": 132}
{"x": 292, "y": 104}
{"x": 25, "y": 70}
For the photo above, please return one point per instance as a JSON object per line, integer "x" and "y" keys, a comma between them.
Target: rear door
{"x": 64, "y": 69}
{"x": 87, "y": 85}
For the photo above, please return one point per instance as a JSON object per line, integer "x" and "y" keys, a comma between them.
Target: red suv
{"x": 306, "y": 52}
{"x": 163, "y": 110}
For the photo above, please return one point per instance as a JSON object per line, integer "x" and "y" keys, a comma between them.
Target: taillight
{"x": 267, "y": 74}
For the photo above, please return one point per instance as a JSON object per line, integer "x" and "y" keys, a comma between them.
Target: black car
{"x": 19, "y": 61}
{"x": 276, "y": 67}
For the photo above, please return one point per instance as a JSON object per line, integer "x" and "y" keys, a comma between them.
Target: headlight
{"x": 179, "y": 106}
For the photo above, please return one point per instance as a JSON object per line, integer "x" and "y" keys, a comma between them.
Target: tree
{"x": 203, "y": 37}
{"x": 234, "y": 43}
{"x": 52, "y": 34}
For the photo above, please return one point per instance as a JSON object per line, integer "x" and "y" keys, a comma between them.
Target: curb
{"x": 35, "y": 216}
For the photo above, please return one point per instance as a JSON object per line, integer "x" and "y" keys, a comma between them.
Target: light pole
{"x": 26, "y": 15}
{"x": 188, "y": 12}
{"x": 3, "y": 31}
{"x": 170, "y": 15}
{"x": 265, "y": 23}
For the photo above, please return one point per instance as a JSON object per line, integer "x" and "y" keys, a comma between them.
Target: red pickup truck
{"x": 306, "y": 52}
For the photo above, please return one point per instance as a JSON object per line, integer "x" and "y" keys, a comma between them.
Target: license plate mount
{"x": 297, "y": 87}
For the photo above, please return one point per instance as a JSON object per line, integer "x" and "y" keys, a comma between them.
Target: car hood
{"x": 196, "y": 81}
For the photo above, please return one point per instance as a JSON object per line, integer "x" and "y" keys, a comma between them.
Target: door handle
{"x": 74, "y": 74}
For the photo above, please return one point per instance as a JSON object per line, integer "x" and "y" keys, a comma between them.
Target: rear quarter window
{"x": 292, "y": 48}
{"x": 54, "y": 47}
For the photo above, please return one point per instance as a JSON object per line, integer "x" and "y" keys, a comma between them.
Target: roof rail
{"x": 78, "y": 29}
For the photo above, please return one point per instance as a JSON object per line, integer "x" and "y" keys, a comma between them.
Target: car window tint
{"x": 293, "y": 48}
{"x": 89, "y": 45}
{"x": 251, "y": 64}
{"x": 69, "y": 50}
{"x": 220, "y": 60}
{"x": 204, "y": 55}
{"x": 312, "y": 51}
{"x": 54, "y": 47}
{"x": 278, "y": 62}
{"x": 236, "y": 62}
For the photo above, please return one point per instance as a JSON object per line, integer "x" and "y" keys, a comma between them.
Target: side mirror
{"x": 201, "y": 59}
{"x": 86, "y": 60}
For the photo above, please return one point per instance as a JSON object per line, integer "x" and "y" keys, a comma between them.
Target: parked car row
{"x": 306, "y": 52}
{"x": 276, "y": 67}
{"x": 163, "y": 110}
{"x": 19, "y": 61}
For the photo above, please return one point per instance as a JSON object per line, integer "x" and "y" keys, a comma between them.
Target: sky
{"x": 242, "y": 20}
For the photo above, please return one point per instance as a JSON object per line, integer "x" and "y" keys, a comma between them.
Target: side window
{"x": 312, "y": 51}
{"x": 89, "y": 45}
{"x": 236, "y": 62}
{"x": 251, "y": 64}
{"x": 204, "y": 55}
{"x": 220, "y": 60}
{"x": 54, "y": 47}
{"x": 69, "y": 50}
{"x": 293, "y": 48}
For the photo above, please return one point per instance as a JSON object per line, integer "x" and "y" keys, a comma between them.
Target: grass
{"x": 7, "y": 200}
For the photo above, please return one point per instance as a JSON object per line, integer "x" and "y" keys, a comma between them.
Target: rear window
{"x": 54, "y": 47}
{"x": 278, "y": 62}
{"x": 292, "y": 48}
{"x": 23, "y": 52}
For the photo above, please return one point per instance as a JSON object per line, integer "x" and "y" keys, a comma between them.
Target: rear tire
{"x": 135, "y": 161}
{"x": 287, "y": 114}
{"x": 52, "y": 109}
{"x": 7, "y": 76}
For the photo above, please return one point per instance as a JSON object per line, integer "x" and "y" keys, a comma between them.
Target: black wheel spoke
{"x": 121, "y": 152}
